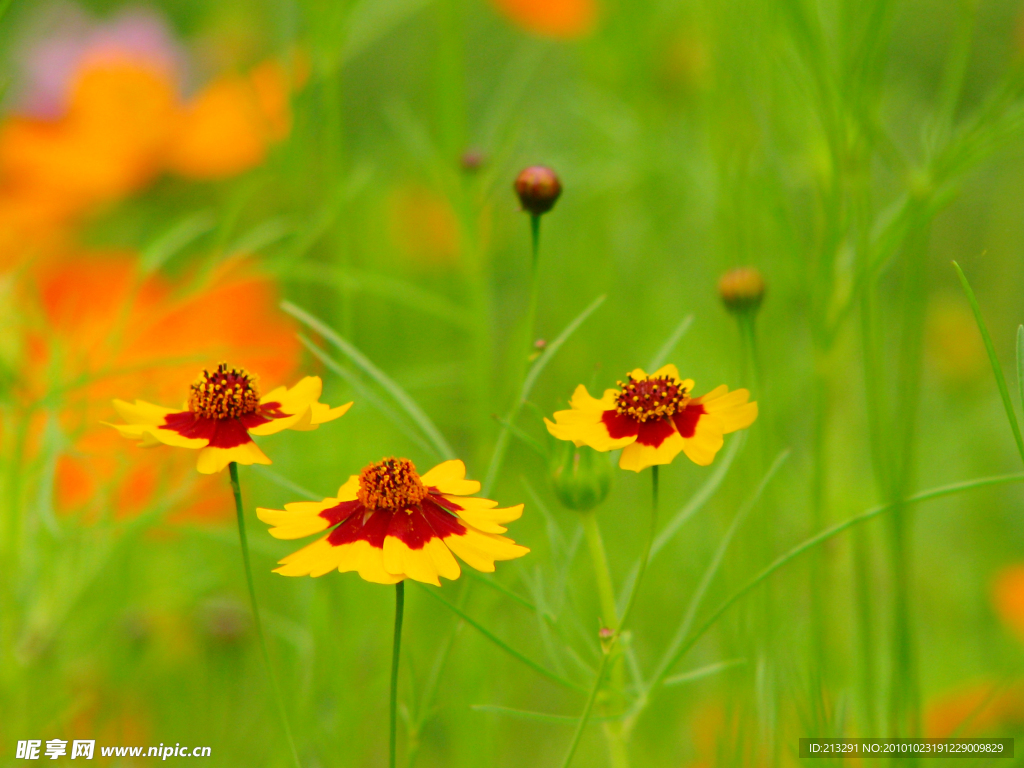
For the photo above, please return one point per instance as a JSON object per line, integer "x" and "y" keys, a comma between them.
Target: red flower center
{"x": 226, "y": 393}
{"x": 654, "y": 398}
{"x": 390, "y": 484}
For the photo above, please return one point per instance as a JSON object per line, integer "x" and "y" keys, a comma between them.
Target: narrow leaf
{"x": 369, "y": 395}
{"x": 400, "y": 395}
{"x": 697, "y": 598}
{"x": 670, "y": 343}
{"x": 701, "y": 672}
{"x": 997, "y": 369}
{"x": 540, "y": 717}
{"x": 531, "y": 378}
{"x": 825, "y": 535}
{"x": 554, "y": 677}
{"x": 1020, "y": 365}
{"x": 176, "y": 239}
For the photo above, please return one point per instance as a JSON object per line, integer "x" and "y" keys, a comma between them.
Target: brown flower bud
{"x": 538, "y": 188}
{"x": 741, "y": 289}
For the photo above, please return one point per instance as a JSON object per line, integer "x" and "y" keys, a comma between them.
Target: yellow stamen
{"x": 662, "y": 397}
{"x": 390, "y": 484}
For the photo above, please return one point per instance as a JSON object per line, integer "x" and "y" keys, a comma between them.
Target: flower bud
{"x": 538, "y": 188}
{"x": 581, "y": 477}
{"x": 741, "y": 289}
{"x": 472, "y": 160}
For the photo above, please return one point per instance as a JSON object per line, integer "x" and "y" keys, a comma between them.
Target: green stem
{"x": 523, "y": 368}
{"x": 237, "y": 489}
{"x": 397, "y": 649}
{"x": 609, "y": 649}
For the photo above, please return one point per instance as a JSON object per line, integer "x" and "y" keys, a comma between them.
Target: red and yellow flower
{"x": 654, "y": 417}
{"x": 389, "y": 524}
{"x": 223, "y": 411}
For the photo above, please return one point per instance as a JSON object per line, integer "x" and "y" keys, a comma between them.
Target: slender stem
{"x": 617, "y": 753}
{"x": 237, "y": 489}
{"x": 625, "y": 616}
{"x": 399, "y": 611}
{"x": 523, "y": 368}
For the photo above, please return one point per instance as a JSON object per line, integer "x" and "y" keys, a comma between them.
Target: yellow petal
{"x": 298, "y": 519}
{"x": 582, "y": 400}
{"x": 449, "y": 477}
{"x": 416, "y": 564}
{"x": 638, "y": 457}
{"x": 667, "y": 370}
{"x": 213, "y": 460}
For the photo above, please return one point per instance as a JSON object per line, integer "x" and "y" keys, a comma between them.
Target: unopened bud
{"x": 538, "y": 188}
{"x": 581, "y": 477}
{"x": 741, "y": 289}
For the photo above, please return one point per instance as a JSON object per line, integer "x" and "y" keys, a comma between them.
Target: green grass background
{"x": 846, "y": 148}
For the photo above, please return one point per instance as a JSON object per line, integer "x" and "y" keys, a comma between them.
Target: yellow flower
{"x": 390, "y": 524}
{"x": 223, "y": 410}
{"x": 653, "y": 418}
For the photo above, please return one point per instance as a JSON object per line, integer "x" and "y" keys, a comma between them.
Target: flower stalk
{"x": 395, "y": 654}
{"x": 243, "y": 540}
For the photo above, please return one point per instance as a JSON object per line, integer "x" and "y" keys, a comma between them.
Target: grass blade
{"x": 176, "y": 239}
{"x": 531, "y": 378}
{"x": 1020, "y": 365}
{"x": 540, "y": 717}
{"x": 668, "y": 658}
{"x": 670, "y": 343}
{"x": 384, "y": 287}
{"x": 368, "y": 394}
{"x": 554, "y": 677}
{"x": 400, "y": 395}
{"x": 825, "y": 535}
{"x": 701, "y": 672}
{"x": 1004, "y": 391}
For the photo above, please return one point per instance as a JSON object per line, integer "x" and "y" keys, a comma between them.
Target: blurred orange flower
{"x": 98, "y": 326}
{"x": 423, "y": 225}
{"x": 984, "y": 708}
{"x": 103, "y": 115}
{"x": 1008, "y": 598}
{"x": 564, "y": 19}
{"x": 229, "y": 125}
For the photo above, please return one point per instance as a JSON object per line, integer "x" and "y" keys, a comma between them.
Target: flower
{"x": 1008, "y": 597}
{"x": 85, "y": 326}
{"x": 390, "y": 524}
{"x": 223, "y": 410}
{"x": 654, "y": 418}
{"x": 563, "y": 19}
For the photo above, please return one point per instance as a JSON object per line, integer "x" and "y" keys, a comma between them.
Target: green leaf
{"x": 997, "y": 369}
{"x": 540, "y": 717}
{"x": 176, "y": 239}
{"x": 669, "y": 657}
{"x": 369, "y": 395}
{"x": 531, "y": 378}
{"x": 1020, "y": 365}
{"x": 385, "y": 287}
{"x": 670, "y": 343}
{"x": 825, "y": 535}
{"x": 363, "y": 363}
{"x": 701, "y": 672}
{"x": 554, "y": 677}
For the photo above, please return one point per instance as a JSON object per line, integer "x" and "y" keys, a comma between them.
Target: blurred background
{"x": 170, "y": 172}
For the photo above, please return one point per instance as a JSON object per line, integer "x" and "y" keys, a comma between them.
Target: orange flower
{"x": 564, "y": 19}
{"x": 423, "y": 225}
{"x": 1008, "y": 598}
{"x": 981, "y": 709}
{"x": 229, "y": 126}
{"x": 106, "y": 328}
